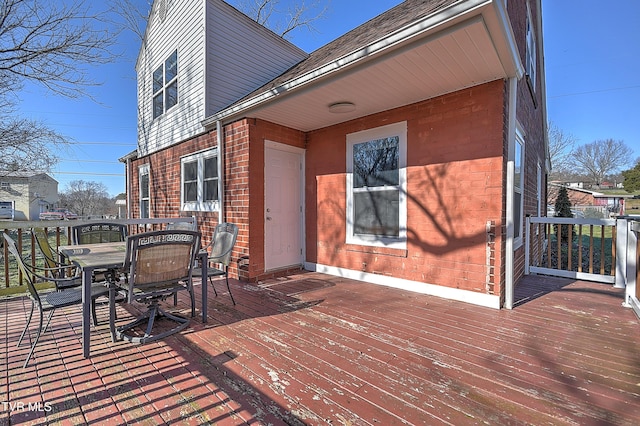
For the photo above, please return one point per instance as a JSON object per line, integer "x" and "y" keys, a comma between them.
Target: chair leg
{"x": 112, "y": 312}
{"x": 226, "y": 276}
{"x": 93, "y": 312}
{"x": 193, "y": 302}
{"x": 26, "y": 327}
{"x": 213, "y": 286}
{"x": 40, "y": 333}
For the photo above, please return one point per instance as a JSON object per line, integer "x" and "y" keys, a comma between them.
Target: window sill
{"x": 383, "y": 251}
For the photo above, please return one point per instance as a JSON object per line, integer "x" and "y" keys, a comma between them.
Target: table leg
{"x": 86, "y": 310}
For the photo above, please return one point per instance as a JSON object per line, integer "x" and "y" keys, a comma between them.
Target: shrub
{"x": 563, "y": 209}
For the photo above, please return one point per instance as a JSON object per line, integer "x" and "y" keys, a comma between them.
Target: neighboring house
{"x": 407, "y": 152}
{"x": 30, "y": 193}
{"x": 585, "y": 199}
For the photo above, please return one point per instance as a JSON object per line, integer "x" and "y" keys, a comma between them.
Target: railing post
{"x": 631, "y": 293}
{"x": 622, "y": 251}
{"x": 527, "y": 247}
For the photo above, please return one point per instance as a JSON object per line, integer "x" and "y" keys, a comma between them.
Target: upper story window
{"x": 200, "y": 181}
{"x": 376, "y": 186}
{"x": 531, "y": 55}
{"x": 165, "y": 85}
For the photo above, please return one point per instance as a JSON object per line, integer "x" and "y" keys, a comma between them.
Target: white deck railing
{"x": 602, "y": 250}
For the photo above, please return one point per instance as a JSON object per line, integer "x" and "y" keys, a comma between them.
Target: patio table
{"x": 89, "y": 257}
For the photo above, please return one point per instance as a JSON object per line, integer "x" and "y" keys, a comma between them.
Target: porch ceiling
{"x": 445, "y": 54}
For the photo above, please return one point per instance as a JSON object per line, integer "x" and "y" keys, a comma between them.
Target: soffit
{"x": 462, "y": 53}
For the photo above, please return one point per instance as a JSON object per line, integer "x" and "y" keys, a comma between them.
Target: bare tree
{"x": 265, "y": 12}
{"x": 26, "y": 145}
{"x": 560, "y": 147}
{"x": 87, "y": 198}
{"x": 49, "y": 44}
{"x": 601, "y": 158}
{"x": 281, "y": 21}
{"x": 134, "y": 15}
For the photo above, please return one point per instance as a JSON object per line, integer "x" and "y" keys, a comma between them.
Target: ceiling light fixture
{"x": 342, "y": 107}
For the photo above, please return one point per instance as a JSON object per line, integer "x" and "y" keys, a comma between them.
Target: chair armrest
{"x": 56, "y": 270}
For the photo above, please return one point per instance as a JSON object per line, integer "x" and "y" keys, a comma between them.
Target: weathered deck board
{"x": 314, "y": 349}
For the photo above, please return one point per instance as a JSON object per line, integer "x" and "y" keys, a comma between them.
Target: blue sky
{"x": 591, "y": 58}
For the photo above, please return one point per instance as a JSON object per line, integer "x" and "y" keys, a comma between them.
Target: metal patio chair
{"x": 159, "y": 264}
{"x": 93, "y": 233}
{"x": 48, "y": 302}
{"x": 219, "y": 254}
{"x": 57, "y": 269}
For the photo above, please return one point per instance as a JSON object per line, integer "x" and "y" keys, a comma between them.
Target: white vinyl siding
{"x": 245, "y": 56}
{"x": 180, "y": 31}
{"x": 223, "y": 56}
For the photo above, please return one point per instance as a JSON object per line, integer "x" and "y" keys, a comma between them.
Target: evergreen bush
{"x": 563, "y": 209}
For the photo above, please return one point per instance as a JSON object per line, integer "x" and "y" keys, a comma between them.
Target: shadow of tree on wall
{"x": 446, "y": 218}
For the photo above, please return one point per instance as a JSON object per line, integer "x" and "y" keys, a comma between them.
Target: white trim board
{"x": 472, "y": 297}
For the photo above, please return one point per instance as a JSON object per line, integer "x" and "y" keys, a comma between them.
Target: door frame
{"x": 277, "y": 146}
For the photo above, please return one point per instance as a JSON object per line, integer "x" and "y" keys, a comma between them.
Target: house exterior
{"x": 30, "y": 193}
{"x": 594, "y": 202}
{"x": 407, "y": 152}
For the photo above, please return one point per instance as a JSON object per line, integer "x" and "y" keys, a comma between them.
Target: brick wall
{"x": 455, "y": 185}
{"x": 530, "y": 115}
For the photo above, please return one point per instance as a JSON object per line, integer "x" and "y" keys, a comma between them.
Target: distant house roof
{"x": 23, "y": 174}
{"x": 594, "y": 194}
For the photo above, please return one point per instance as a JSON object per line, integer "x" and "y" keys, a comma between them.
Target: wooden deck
{"x": 314, "y": 349}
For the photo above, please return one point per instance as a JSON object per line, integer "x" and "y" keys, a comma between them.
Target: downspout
{"x": 509, "y": 258}
{"x": 128, "y": 187}
{"x": 220, "y": 136}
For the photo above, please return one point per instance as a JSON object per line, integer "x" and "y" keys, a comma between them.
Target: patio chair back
{"x": 221, "y": 246}
{"x": 183, "y": 226}
{"x": 155, "y": 259}
{"x": 99, "y": 233}
{"x": 42, "y": 239}
{"x": 219, "y": 253}
{"x": 27, "y": 271}
{"x": 160, "y": 263}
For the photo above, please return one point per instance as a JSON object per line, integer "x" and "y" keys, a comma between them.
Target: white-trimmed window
{"x": 143, "y": 174}
{"x": 199, "y": 181}
{"x": 531, "y": 55}
{"x": 165, "y": 85}
{"x": 376, "y": 186}
{"x": 518, "y": 186}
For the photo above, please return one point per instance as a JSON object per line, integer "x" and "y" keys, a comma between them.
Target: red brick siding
{"x": 455, "y": 186}
{"x": 531, "y": 117}
{"x": 260, "y": 131}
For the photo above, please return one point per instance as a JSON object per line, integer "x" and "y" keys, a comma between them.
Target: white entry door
{"x": 283, "y": 206}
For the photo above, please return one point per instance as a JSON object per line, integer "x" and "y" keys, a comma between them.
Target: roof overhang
{"x": 461, "y": 46}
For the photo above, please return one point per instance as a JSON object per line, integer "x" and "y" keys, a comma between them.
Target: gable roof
{"x": 414, "y": 51}
{"x": 24, "y": 174}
